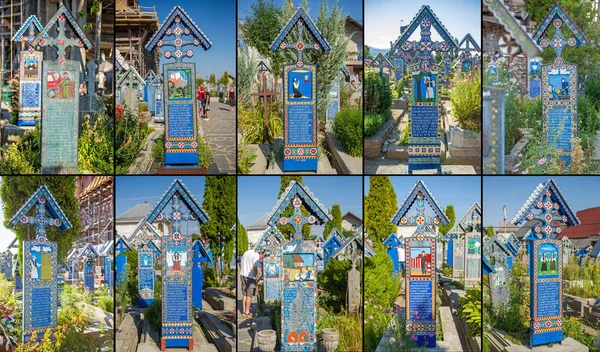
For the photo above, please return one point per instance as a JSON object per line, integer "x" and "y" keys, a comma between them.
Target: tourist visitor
{"x": 231, "y": 97}
{"x": 203, "y": 97}
{"x": 250, "y": 274}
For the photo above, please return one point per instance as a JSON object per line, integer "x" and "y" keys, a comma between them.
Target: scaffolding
{"x": 134, "y": 26}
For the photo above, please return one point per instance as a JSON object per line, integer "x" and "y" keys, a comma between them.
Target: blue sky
{"x": 352, "y": 8}
{"x": 217, "y": 20}
{"x": 258, "y": 194}
{"x": 581, "y": 193}
{"x": 460, "y": 191}
{"x": 383, "y": 19}
{"x": 132, "y": 190}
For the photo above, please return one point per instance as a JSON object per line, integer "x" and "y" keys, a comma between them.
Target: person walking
{"x": 250, "y": 272}
{"x": 231, "y": 97}
{"x": 202, "y": 96}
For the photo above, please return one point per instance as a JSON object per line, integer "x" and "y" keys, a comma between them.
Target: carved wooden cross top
{"x": 61, "y": 18}
{"x": 297, "y": 220}
{"x": 40, "y": 220}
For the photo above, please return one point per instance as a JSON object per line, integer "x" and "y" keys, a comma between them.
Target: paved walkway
{"x": 245, "y": 333}
{"x": 220, "y": 132}
{"x": 144, "y": 162}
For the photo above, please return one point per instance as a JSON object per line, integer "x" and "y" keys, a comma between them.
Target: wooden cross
{"x": 177, "y": 216}
{"x": 265, "y": 93}
{"x": 425, "y": 45}
{"x": 420, "y": 219}
{"x": 40, "y": 220}
{"x": 61, "y": 42}
{"x": 297, "y": 220}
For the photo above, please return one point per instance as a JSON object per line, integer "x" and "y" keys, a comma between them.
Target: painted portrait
{"x": 559, "y": 84}
{"x": 467, "y": 65}
{"x": 548, "y": 261}
{"x": 60, "y": 85}
{"x": 420, "y": 261}
{"x": 272, "y": 271}
{"x": 177, "y": 260}
{"x": 31, "y": 66}
{"x": 425, "y": 87}
{"x": 39, "y": 266}
{"x": 179, "y": 85}
{"x": 474, "y": 246}
{"x": 146, "y": 260}
{"x": 300, "y": 85}
{"x": 534, "y": 69}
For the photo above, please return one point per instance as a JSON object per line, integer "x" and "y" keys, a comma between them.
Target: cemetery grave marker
{"x": 535, "y": 84}
{"x": 60, "y": 98}
{"x": 177, "y": 323}
{"x": 108, "y": 273}
{"x": 334, "y": 241}
{"x": 144, "y": 238}
{"x": 393, "y": 243}
{"x": 466, "y": 254}
{"x": 382, "y": 63}
{"x": 549, "y": 208}
{"x": 179, "y": 86}
{"x": 493, "y": 130}
{"x": 420, "y": 289}
{"x": 271, "y": 246}
{"x": 155, "y": 100}
{"x": 567, "y": 249}
{"x": 424, "y": 146}
{"x": 352, "y": 250}
{"x": 89, "y": 255}
{"x": 300, "y": 127}
{"x": 465, "y": 52}
{"x": 146, "y": 274}
{"x": 265, "y": 94}
{"x": 399, "y": 60}
{"x": 121, "y": 260}
{"x": 333, "y": 107}
{"x": 40, "y": 257}
{"x": 30, "y": 73}
{"x": 149, "y": 88}
{"x": 559, "y": 82}
{"x": 299, "y": 284}
{"x": 62, "y": 269}
{"x": 496, "y": 257}
{"x": 199, "y": 256}
{"x": 129, "y": 84}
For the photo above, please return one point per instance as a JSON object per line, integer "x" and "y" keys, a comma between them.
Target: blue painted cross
{"x": 420, "y": 219}
{"x": 299, "y": 45}
{"x": 297, "y": 220}
{"x": 177, "y": 216}
{"x": 40, "y": 220}
{"x": 425, "y": 45}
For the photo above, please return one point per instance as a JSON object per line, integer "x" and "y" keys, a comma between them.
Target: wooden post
{"x": 264, "y": 93}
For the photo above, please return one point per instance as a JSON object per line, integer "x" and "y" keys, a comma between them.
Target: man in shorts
{"x": 250, "y": 275}
{"x": 203, "y": 100}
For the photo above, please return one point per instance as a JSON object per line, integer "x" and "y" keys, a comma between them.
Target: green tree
{"x": 242, "y": 238}
{"x": 489, "y": 231}
{"x": 583, "y": 13}
{"x": 451, "y": 216}
{"x": 287, "y": 231}
{"x": 246, "y": 71}
{"x": 199, "y": 81}
{"x": 16, "y": 190}
{"x": 336, "y": 212}
{"x": 220, "y": 204}
{"x": 368, "y": 54}
{"x": 260, "y": 28}
{"x": 224, "y": 80}
{"x": 212, "y": 79}
{"x": 380, "y": 207}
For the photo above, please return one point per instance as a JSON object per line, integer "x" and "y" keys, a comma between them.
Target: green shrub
{"x": 347, "y": 127}
{"x": 130, "y": 135}
{"x": 381, "y": 287}
{"x": 245, "y": 159}
{"x": 251, "y": 123}
{"x": 107, "y": 304}
{"x": 404, "y": 137}
{"x": 470, "y": 310}
{"x": 378, "y": 97}
{"x": 466, "y": 101}
{"x": 374, "y": 122}
{"x": 333, "y": 283}
{"x": 349, "y": 327}
{"x": 589, "y": 123}
{"x": 23, "y": 157}
{"x": 154, "y": 313}
{"x": 158, "y": 150}
{"x": 96, "y": 145}
{"x": 205, "y": 154}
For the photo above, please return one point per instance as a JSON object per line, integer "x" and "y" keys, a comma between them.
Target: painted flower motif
{"x": 413, "y": 337}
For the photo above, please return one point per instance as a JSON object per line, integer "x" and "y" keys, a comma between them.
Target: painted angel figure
{"x": 430, "y": 85}
{"x": 34, "y": 268}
